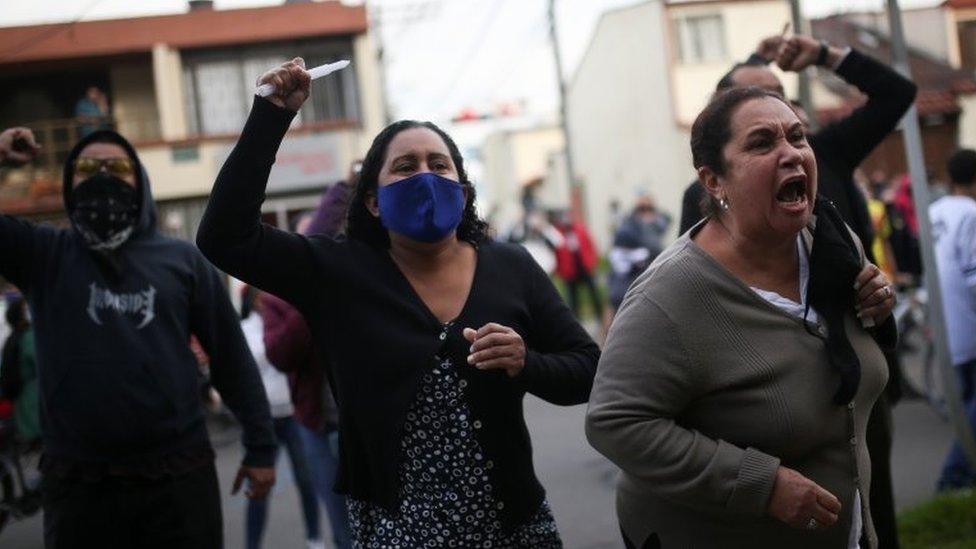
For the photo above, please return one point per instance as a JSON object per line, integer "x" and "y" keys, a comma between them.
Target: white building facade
{"x": 649, "y": 70}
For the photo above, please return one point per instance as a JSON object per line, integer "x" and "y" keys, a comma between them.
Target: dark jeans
{"x": 882, "y": 498}
{"x": 322, "y": 450}
{"x": 181, "y": 512}
{"x": 956, "y": 472}
{"x": 286, "y": 432}
{"x": 584, "y": 280}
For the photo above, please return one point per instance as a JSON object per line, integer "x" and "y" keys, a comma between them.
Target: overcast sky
{"x": 443, "y": 55}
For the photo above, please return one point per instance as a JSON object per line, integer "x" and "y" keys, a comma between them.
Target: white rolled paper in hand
{"x": 265, "y": 90}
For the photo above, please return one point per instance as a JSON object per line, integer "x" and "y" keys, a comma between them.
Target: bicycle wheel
{"x": 934, "y": 386}
{"x": 912, "y": 348}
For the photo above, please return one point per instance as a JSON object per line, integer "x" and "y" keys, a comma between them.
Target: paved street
{"x": 578, "y": 480}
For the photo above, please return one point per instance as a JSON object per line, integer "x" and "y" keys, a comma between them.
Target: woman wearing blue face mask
{"x": 434, "y": 333}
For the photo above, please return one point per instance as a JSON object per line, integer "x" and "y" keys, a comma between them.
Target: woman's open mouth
{"x": 793, "y": 191}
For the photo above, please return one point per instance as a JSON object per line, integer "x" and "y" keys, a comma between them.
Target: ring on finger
{"x": 812, "y": 524}
{"x": 887, "y": 291}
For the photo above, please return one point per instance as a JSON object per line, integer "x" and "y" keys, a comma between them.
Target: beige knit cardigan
{"x": 704, "y": 389}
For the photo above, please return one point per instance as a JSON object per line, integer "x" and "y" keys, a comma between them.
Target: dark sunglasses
{"x": 119, "y": 167}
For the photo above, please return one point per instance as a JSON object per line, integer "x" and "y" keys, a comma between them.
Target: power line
{"x": 474, "y": 48}
{"x": 575, "y": 184}
{"x": 497, "y": 73}
{"x": 49, "y": 33}
{"x": 538, "y": 32}
{"x": 404, "y": 15}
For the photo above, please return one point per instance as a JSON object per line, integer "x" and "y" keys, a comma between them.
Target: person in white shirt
{"x": 286, "y": 430}
{"x": 954, "y": 232}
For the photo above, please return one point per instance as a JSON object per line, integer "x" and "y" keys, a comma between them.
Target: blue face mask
{"x": 425, "y": 207}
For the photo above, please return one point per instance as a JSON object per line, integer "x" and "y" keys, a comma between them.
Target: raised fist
{"x": 17, "y": 146}
{"x": 798, "y": 53}
{"x": 292, "y": 84}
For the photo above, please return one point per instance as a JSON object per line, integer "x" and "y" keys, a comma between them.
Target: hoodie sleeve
{"x": 889, "y": 97}
{"x": 20, "y": 245}
{"x": 233, "y": 371}
{"x": 231, "y": 234}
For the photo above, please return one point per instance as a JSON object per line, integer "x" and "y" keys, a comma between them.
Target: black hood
{"x": 147, "y": 208}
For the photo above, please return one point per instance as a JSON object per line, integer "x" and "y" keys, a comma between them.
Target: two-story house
{"x": 647, "y": 73}
{"x": 180, "y": 87}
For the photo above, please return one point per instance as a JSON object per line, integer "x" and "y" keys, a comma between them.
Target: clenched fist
{"x": 17, "y": 146}
{"x": 292, "y": 84}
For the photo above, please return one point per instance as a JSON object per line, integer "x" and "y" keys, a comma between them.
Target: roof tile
{"x": 195, "y": 29}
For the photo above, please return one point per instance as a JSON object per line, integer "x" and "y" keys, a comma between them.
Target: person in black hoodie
{"x": 127, "y": 460}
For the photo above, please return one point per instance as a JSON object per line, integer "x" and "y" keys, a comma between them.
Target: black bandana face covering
{"x": 105, "y": 211}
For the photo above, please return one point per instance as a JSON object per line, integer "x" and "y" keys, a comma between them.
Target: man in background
{"x": 954, "y": 231}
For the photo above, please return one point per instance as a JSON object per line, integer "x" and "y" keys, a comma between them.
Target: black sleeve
{"x": 889, "y": 97}
{"x": 10, "y": 382}
{"x": 19, "y": 241}
{"x": 231, "y": 233}
{"x": 691, "y": 207}
{"x": 232, "y": 369}
{"x": 886, "y": 334}
{"x": 561, "y": 358}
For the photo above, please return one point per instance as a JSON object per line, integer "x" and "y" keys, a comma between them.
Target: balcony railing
{"x": 38, "y": 185}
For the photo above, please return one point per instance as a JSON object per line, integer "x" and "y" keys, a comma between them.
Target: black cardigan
{"x": 381, "y": 338}
{"x": 841, "y": 146}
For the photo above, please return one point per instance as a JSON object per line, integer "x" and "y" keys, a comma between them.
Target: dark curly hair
{"x": 363, "y": 226}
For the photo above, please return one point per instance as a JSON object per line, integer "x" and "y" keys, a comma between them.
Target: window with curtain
{"x": 221, "y": 97}
{"x": 219, "y": 85}
{"x": 701, "y": 39}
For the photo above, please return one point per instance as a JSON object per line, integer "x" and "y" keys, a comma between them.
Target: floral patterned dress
{"x": 446, "y": 495}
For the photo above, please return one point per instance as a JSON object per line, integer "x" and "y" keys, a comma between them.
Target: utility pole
{"x": 920, "y": 192}
{"x": 575, "y": 184}
{"x": 376, "y": 28}
{"x": 384, "y": 17}
{"x": 806, "y": 97}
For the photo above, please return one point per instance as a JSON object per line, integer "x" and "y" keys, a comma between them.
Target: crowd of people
{"x": 388, "y": 342}
{"x": 895, "y": 225}
{"x": 563, "y": 246}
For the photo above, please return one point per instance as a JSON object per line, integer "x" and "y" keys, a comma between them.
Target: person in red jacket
{"x": 289, "y": 347}
{"x": 576, "y": 261}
